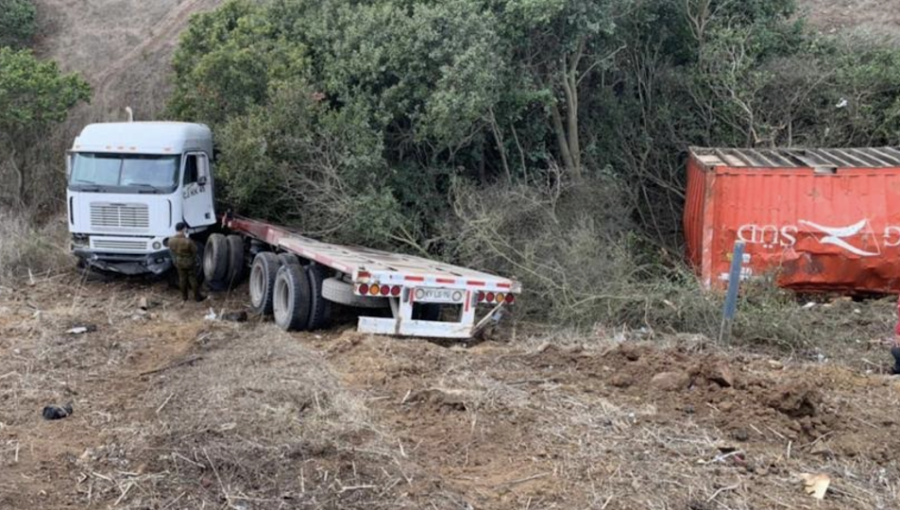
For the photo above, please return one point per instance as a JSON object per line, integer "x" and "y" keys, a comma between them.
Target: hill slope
{"x": 880, "y": 17}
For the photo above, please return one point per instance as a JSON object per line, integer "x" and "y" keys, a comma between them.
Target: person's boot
{"x": 896, "y": 353}
{"x": 199, "y": 297}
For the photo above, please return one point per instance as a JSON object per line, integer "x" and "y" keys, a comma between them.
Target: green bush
{"x": 18, "y": 22}
{"x": 34, "y": 96}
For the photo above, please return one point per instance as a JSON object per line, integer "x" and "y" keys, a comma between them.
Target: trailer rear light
{"x": 510, "y": 299}
{"x": 490, "y": 297}
{"x": 385, "y": 290}
{"x": 500, "y": 297}
{"x": 363, "y": 289}
{"x": 481, "y": 297}
{"x": 374, "y": 290}
{"x": 395, "y": 290}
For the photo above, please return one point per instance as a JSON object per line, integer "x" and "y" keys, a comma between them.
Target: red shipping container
{"x": 820, "y": 220}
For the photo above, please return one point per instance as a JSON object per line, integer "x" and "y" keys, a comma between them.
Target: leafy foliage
{"x": 34, "y": 96}
{"x": 18, "y": 22}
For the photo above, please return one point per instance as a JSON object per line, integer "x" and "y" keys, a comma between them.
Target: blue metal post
{"x": 734, "y": 284}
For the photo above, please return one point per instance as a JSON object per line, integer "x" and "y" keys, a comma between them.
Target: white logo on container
{"x": 835, "y": 236}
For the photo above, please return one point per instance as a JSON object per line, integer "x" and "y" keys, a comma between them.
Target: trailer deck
{"x": 412, "y": 280}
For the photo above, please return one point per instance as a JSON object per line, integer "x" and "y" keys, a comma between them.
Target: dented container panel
{"x": 819, "y": 227}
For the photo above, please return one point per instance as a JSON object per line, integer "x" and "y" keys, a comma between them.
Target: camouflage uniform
{"x": 184, "y": 254}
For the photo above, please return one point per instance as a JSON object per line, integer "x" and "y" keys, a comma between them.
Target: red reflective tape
{"x": 365, "y": 274}
{"x": 446, "y": 280}
{"x": 504, "y": 285}
{"x": 325, "y": 260}
{"x": 468, "y": 300}
{"x": 415, "y": 278}
{"x": 475, "y": 283}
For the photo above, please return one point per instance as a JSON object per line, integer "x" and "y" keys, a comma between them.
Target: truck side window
{"x": 190, "y": 169}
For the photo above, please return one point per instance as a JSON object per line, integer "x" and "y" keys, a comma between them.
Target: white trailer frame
{"x": 416, "y": 276}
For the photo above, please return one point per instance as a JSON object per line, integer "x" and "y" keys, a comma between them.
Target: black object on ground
{"x": 235, "y": 316}
{"x": 896, "y": 352}
{"x": 57, "y": 412}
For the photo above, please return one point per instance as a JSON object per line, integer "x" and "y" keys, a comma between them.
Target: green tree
{"x": 34, "y": 96}
{"x": 18, "y": 22}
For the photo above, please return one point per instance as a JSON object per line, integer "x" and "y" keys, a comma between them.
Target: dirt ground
{"x": 878, "y": 17}
{"x": 172, "y": 410}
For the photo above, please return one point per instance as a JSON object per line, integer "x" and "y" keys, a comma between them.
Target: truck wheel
{"x": 215, "y": 259}
{"x": 262, "y": 282}
{"x": 235, "y": 260}
{"x": 291, "y": 300}
{"x": 341, "y": 292}
{"x": 320, "y": 308}
{"x": 288, "y": 258}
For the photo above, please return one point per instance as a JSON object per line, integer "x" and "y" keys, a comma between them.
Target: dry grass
{"x": 28, "y": 250}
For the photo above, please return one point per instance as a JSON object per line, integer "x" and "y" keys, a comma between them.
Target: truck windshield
{"x": 124, "y": 173}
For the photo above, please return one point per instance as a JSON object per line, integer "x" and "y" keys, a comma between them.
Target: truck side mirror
{"x": 201, "y": 180}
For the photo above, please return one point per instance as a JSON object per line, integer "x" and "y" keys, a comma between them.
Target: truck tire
{"x": 235, "y": 260}
{"x": 288, "y": 258}
{"x": 341, "y": 292}
{"x": 215, "y": 259}
{"x": 320, "y": 308}
{"x": 291, "y": 299}
{"x": 262, "y": 282}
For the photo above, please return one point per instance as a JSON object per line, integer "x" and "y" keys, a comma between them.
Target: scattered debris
{"x": 211, "y": 316}
{"x": 54, "y": 412}
{"x": 82, "y": 329}
{"x": 816, "y": 485}
{"x": 145, "y": 304}
{"x": 235, "y": 316}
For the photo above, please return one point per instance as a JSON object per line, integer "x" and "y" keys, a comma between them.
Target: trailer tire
{"x": 262, "y": 282}
{"x": 320, "y": 308}
{"x": 341, "y": 292}
{"x": 235, "y": 260}
{"x": 288, "y": 258}
{"x": 291, "y": 299}
{"x": 215, "y": 260}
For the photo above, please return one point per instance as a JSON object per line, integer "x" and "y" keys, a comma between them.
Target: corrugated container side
{"x": 835, "y": 231}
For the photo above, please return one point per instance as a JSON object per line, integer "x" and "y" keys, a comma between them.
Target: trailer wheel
{"x": 262, "y": 282}
{"x": 215, "y": 259}
{"x": 320, "y": 308}
{"x": 288, "y": 258}
{"x": 291, "y": 299}
{"x": 341, "y": 292}
{"x": 235, "y": 260}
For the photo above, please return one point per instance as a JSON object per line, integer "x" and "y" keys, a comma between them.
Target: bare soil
{"x": 175, "y": 411}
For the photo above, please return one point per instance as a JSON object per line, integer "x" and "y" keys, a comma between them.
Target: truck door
{"x": 196, "y": 190}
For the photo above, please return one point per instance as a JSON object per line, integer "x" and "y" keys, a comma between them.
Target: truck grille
{"x": 120, "y": 215}
{"x": 119, "y": 245}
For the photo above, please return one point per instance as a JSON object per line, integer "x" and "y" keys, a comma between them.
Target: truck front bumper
{"x": 155, "y": 263}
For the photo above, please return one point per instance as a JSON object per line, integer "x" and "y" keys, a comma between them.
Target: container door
{"x": 196, "y": 190}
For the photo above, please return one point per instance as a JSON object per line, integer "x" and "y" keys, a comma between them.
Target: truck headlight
{"x": 157, "y": 245}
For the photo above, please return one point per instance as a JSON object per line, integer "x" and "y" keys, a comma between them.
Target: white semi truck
{"x": 130, "y": 183}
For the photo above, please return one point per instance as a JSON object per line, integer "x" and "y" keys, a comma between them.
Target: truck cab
{"x": 129, "y": 184}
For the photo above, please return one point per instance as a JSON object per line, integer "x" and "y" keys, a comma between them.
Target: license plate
{"x": 425, "y": 295}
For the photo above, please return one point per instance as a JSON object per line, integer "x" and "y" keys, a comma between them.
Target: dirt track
{"x": 172, "y": 411}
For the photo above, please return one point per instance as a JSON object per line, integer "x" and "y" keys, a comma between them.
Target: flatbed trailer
{"x": 297, "y": 278}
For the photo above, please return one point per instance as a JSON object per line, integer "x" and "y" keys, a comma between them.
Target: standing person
{"x": 184, "y": 253}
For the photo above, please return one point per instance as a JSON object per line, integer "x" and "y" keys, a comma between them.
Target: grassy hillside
{"x": 875, "y": 16}
{"x": 123, "y": 47}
